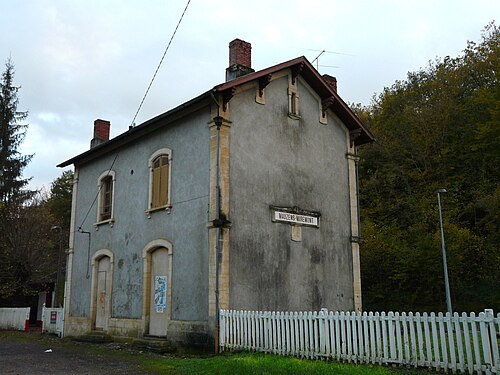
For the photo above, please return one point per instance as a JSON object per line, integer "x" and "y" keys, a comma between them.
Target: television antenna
{"x": 321, "y": 52}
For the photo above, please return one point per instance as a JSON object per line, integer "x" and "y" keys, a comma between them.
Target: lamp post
{"x": 58, "y": 276}
{"x": 443, "y": 247}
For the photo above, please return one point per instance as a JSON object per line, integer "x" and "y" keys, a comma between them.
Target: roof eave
{"x": 316, "y": 81}
{"x": 309, "y": 73}
{"x": 140, "y": 130}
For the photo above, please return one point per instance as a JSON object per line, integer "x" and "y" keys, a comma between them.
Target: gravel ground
{"x": 25, "y": 354}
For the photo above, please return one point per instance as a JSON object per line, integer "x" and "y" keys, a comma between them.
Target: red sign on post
{"x": 53, "y": 317}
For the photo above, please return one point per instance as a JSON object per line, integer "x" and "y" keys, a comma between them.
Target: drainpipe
{"x": 357, "y": 191}
{"x": 217, "y": 221}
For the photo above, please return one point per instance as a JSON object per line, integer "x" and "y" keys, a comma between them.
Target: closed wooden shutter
{"x": 164, "y": 181}
{"x": 160, "y": 182}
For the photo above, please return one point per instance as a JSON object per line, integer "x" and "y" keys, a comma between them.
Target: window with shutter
{"x": 160, "y": 180}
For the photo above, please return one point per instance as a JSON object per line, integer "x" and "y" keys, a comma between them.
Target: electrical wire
{"x": 161, "y": 61}
{"x": 98, "y": 191}
{"x": 137, "y": 112}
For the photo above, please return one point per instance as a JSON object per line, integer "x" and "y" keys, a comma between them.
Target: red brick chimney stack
{"x": 240, "y": 52}
{"x": 331, "y": 81}
{"x": 101, "y": 132}
{"x": 240, "y": 59}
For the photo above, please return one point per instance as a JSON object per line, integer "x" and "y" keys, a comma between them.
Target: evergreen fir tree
{"x": 12, "y": 134}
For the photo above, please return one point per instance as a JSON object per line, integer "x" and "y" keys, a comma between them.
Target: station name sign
{"x": 295, "y": 218}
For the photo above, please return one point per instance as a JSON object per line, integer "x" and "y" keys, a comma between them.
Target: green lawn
{"x": 228, "y": 363}
{"x": 257, "y": 363}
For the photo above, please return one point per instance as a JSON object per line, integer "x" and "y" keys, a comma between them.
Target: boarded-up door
{"x": 158, "y": 316}
{"x": 103, "y": 295}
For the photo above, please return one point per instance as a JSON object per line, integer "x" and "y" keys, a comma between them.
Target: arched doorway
{"x": 157, "y": 290}
{"x": 102, "y": 288}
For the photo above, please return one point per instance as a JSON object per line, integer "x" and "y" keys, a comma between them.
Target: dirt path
{"x": 24, "y": 354}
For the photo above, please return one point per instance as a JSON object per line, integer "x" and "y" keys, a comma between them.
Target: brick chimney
{"x": 240, "y": 59}
{"x": 331, "y": 81}
{"x": 101, "y": 132}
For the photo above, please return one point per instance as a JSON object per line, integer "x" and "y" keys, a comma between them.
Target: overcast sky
{"x": 79, "y": 60}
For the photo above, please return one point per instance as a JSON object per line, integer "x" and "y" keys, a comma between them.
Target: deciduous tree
{"x": 439, "y": 128}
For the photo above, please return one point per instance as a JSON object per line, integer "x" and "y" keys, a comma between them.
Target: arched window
{"x": 160, "y": 165}
{"x": 106, "y": 186}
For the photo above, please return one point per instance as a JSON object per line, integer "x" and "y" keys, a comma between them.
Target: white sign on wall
{"x": 295, "y": 218}
{"x": 160, "y": 296}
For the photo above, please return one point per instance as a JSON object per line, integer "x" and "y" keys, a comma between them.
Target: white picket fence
{"x": 464, "y": 343}
{"x": 15, "y": 318}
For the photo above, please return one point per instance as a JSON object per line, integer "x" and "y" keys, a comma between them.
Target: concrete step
{"x": 153, "y": 344}
{"x": 96, "y": 337}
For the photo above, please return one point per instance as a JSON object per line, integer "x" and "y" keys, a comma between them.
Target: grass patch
{"x": 259, "y": 363}
{"x": 243, "y": 363}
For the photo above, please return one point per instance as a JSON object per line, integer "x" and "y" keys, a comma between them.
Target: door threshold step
{"x": 153, "y": 344}
{"x": 96, "y": 337}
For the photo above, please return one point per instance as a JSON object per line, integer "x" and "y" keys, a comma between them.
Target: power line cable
{"x": 136, "y": 113}
{"x": 161, "y": 61}
{"x": 98, "y": 191}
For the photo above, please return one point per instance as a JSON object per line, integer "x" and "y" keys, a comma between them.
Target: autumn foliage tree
{"x": 27, "y": 250}
{"x": 439, "y": 128}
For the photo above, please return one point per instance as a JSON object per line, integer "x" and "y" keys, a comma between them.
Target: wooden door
{"x": 103, "y": 295}
{"x": 158, "y": 310}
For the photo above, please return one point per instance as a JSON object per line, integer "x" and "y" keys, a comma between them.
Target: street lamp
{"x": 58, "y": 276}
{"x": 445, "y": 266}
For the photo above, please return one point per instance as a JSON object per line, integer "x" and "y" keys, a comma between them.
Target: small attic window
{"x": 293, "y": 100}
{"x": 294, "y": 104}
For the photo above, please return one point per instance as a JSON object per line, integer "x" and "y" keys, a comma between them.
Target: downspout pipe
{"x": 357, "y": 191}
{"x": 218, "y": 124}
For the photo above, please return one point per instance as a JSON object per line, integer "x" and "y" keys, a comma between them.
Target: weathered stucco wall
{"x": 277, "y": 160}
{"x": 185, "y": 226}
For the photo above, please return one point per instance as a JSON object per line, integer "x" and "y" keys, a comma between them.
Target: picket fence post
{"x": 485, "y": 342}
{"x": 379, "y": 354}
{"x": 460, "y": 343}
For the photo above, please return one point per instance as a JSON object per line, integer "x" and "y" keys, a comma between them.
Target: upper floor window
{"x": 106, "y": 186}
{"x": 293, "y": 98}
{"x": 294, "y": 105}
{"x": 160, "y": 165}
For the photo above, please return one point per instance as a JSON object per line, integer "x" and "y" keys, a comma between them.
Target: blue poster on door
{"x": 160, "y": 300}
